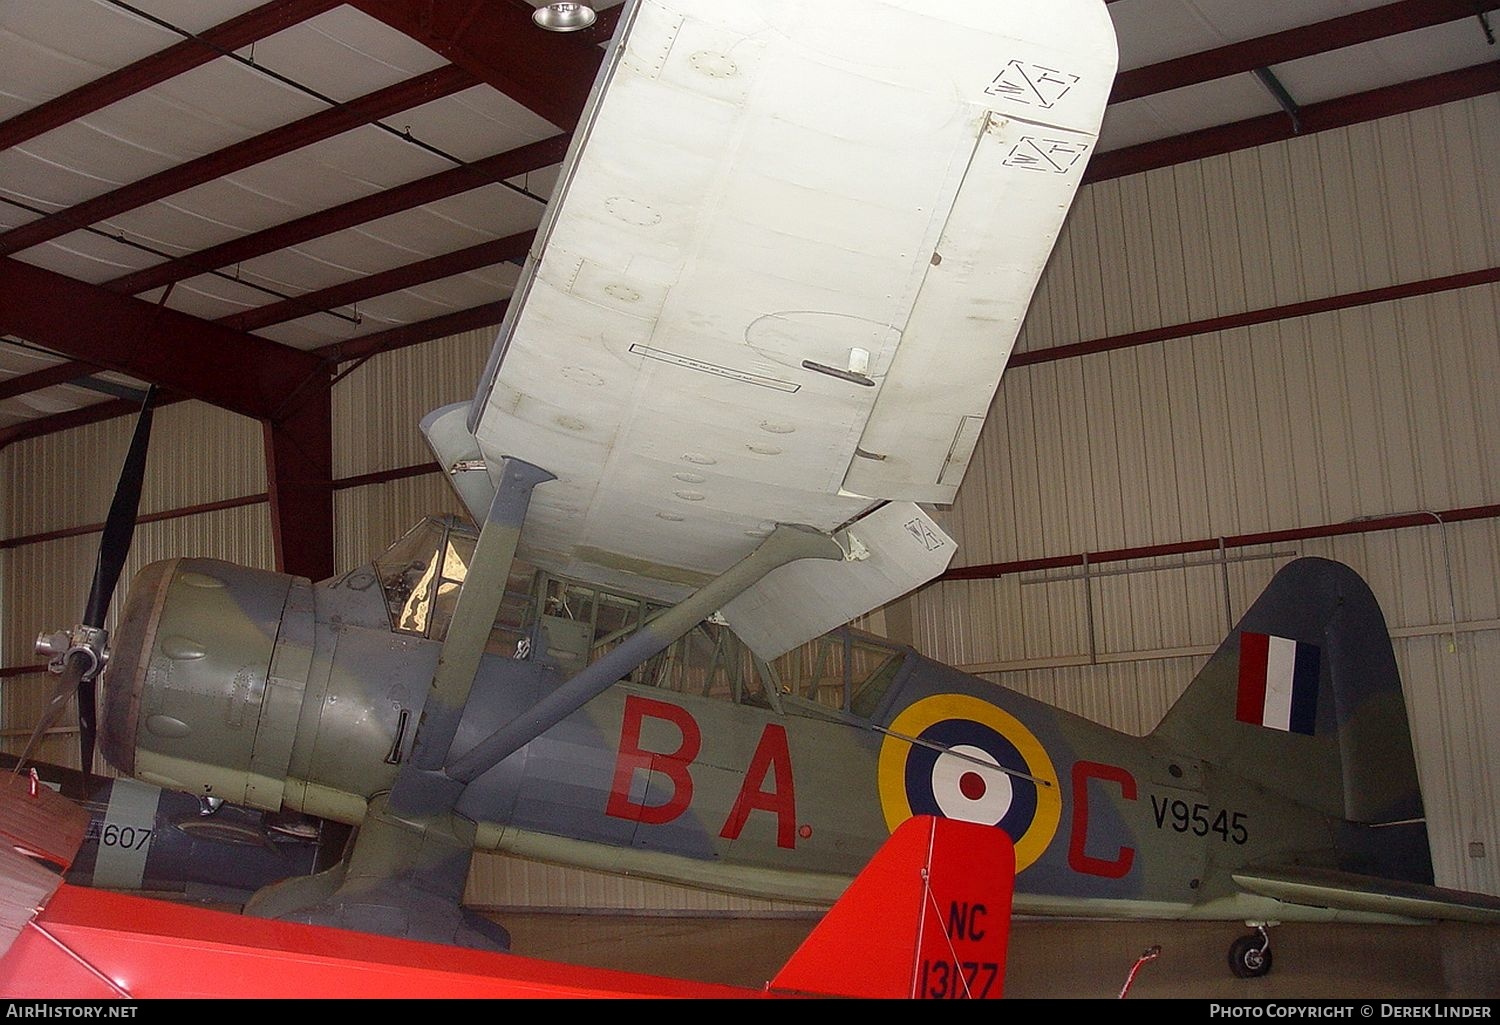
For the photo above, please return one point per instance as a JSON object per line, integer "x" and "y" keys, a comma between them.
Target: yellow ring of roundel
{"x": 891, "y": 771}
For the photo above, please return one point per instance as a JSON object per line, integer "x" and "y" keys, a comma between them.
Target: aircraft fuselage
{"x": 307, "y": 698}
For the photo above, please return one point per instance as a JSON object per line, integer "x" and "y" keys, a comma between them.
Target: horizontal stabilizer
{"x": 892, "y": 550}
{"x": 1346, "y": 891}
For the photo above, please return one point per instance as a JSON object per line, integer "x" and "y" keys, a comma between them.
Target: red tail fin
{"x": 928, "y": 918}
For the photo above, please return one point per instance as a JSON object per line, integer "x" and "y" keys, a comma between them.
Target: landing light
{"x": 564, "y": 17}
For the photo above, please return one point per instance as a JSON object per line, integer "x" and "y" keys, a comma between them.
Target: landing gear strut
{"x": 1250, "y": 956}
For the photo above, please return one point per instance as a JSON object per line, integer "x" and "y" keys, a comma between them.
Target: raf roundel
{"x": 962, "y": 758}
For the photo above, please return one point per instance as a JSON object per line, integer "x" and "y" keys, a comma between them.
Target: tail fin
{"x": 928, "y": 917}
{"x": 1304, "y": 698}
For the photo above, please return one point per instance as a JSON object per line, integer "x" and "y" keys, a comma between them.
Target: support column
{"x": 299, "y": 482}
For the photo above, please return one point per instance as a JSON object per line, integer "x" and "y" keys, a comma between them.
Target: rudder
{"x": 1304, "y": 698}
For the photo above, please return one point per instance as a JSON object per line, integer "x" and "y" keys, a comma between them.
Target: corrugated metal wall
{"x": 377, "y": 408}
{"x": 1371, "y": 411}
{"x": 499, "y": 883}
{"x": 379, "y": 404}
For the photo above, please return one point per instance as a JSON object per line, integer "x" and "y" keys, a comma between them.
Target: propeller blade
{"x": 80, "y": 664}
{"x": 114, "y": 547}
{"x": 119, "y": 526}
{"x": 74, "y": 668}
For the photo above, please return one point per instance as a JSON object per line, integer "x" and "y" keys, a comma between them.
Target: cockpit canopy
{"x": 572, "y": 623}
{"x": 421, "y": 575}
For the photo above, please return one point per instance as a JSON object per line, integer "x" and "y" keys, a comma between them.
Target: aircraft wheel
{"x": 1250, "y": 956}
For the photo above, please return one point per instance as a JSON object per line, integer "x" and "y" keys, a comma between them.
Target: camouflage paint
{"x": 793, "y": 803}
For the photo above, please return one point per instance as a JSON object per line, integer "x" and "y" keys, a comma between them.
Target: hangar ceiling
{"x": 230, "y": 199}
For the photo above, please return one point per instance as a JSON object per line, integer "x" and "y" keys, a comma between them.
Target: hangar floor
{"x": 1054, "y": 959}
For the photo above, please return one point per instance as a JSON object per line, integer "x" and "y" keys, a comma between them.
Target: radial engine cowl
{"x": 207, "y": 671}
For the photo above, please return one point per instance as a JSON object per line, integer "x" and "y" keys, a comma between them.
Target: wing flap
{"x": 893, "y": 550}
{"x": 1329, "y": 888}
{"x": 1016, "y": 190}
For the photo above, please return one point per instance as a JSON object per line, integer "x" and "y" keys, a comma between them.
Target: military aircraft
{"x": 760, "y": 329}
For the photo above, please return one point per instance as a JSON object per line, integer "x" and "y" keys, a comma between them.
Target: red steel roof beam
{"x": 603, "y": 28}
{"x": 1401, "y": 98}
{"x": 47, "y": 377}
{"x": 314, "y": 128}
{"x": 237, "y": 371}
{"x": 434, "y": 187}
{"x": 545, "y": 72}
{"x": 259, "y": 23}
{"x": 486, "y": 315}
{"x": 485, "y": 254}
{"x": 1293, "y": 44}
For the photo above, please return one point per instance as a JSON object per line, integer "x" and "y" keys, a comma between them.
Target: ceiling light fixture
{"x": 564, "y": 17}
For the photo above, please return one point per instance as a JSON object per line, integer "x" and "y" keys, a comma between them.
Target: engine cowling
{"x": 264, "y": 689}
{"x": 206, "y": 680}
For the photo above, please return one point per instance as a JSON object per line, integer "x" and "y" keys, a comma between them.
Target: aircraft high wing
{"x": 783, "y": 270}
{"x": 762, "y": 324}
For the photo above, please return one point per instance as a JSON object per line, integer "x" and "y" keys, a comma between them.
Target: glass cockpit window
{"x": 421, "y": 575}
{"x": 458, "y": 553}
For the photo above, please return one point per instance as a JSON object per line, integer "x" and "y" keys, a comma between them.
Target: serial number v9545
{"x": 1200, "y": 819}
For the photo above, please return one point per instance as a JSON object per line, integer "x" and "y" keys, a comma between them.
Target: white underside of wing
{"x": 787, "y": 260}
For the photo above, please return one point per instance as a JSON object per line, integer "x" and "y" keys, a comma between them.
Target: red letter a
{"x": 770, "y": 753}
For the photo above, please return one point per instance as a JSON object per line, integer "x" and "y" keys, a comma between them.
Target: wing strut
{"x": 473, "y": 616}
{"x": 406, "y": 871}
{"x": 786, "y": 544}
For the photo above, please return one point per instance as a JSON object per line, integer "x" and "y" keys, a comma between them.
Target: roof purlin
{"x": 253, "y": 25}
{"x": 485, "y": 254}
{"x": 313, "y": 128}
{"x": 1292, "y": 44}
{"x": 61, "y": 373}
{"x": 441, "y": 185}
